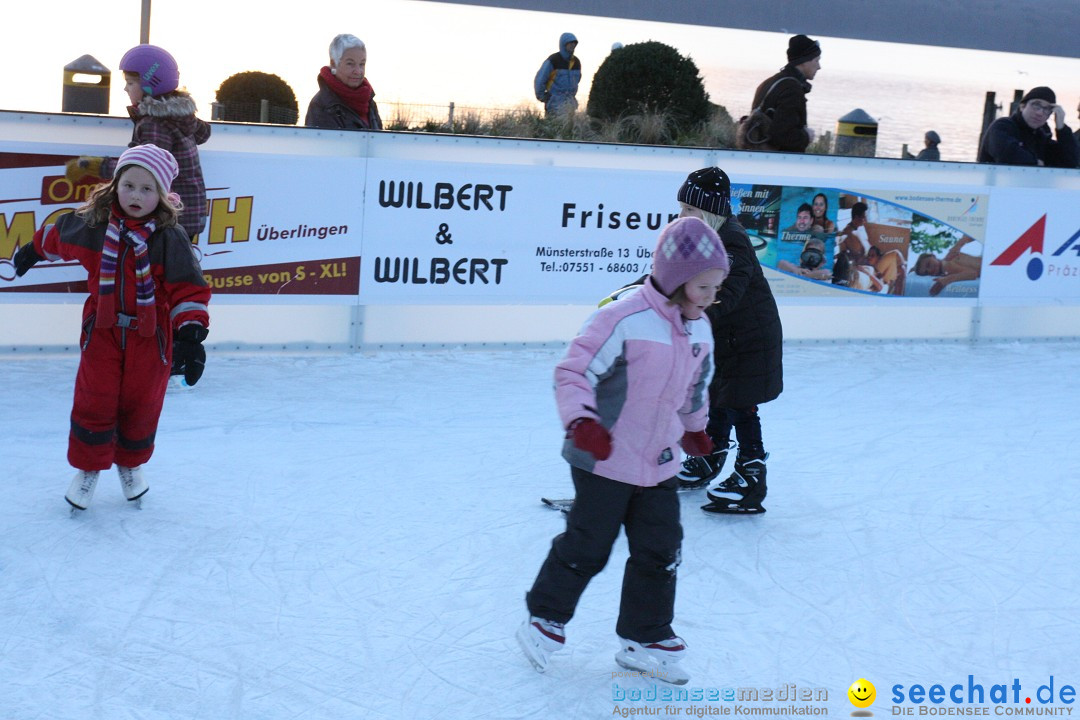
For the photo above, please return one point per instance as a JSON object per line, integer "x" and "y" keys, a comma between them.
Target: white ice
{"x": 352, "y": 536}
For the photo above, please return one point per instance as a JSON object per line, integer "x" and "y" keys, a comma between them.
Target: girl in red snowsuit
{"x": 146, "y": 287}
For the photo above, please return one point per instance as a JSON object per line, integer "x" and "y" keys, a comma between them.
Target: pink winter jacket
{"x": 642, "y": 372}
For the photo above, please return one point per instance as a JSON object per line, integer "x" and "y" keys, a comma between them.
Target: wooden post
{"x": 1017, "y": 94}
{"x": 990, "y": 109}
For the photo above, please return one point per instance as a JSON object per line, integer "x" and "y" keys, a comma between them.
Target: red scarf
{"x": 358, "y": 99}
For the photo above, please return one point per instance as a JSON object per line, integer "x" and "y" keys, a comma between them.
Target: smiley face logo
{"x": 862, "y": 693}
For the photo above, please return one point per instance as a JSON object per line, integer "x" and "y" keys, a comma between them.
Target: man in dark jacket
{"x": 1024, "y": 138}
{"x": 930, "y": 152}
{"x": 787, "y": 100}
{"x": 748, "y": 340}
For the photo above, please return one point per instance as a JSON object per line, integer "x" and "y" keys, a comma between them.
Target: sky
{"x": 427, "y": 53}
{"x": 341, "y": 536}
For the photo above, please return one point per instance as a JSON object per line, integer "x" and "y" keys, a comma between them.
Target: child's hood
{"x": 178, "y": 108}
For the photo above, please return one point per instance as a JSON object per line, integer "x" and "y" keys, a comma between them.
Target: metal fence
{"x": 445, "y": 118}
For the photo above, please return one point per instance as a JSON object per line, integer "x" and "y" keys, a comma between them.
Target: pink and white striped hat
{"x": 159, "y": 162}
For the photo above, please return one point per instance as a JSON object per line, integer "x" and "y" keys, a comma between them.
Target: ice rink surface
{"x": 352, "y": 537}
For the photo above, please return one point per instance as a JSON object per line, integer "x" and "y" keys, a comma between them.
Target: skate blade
{"x": 527, "y": 650}
{"x": 74, "y": 508}
{"x": 660, "y": 675}
{"x": 137, "y": 500}
{"x": 718, "y": 508}
{"x": 563, "y": 505}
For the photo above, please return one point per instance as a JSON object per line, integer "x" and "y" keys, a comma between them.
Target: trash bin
{"x": 80, "y": 93}
{"x": 856, "y": 134}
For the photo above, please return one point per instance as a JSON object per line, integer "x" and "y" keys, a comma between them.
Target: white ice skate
{"x": 131, "y": 479}
{"x": 81, "y": 490}
{"x": 539, "y": 638}
{"x": 659, "y": 660}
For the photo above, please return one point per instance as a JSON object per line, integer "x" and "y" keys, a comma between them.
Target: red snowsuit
{"x": 120, "y": 386}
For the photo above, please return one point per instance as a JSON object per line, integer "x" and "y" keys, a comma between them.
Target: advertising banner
{"x": 477, "y": 233}
{"x": 382, "y": 230}
{"x": 825, "y": 241}
{"x": 1033, "y": 246}
{"x": 278, "y": 228}
{"x": 442, "y": 233}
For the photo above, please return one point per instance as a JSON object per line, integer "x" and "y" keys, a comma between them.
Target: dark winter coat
{"x": 1011, "y": 141}
{"x": 788, "y": 101}
{"x": 170, "y": 123}
{"x": 746, "y": 330}
{"x": 328, "y": 111}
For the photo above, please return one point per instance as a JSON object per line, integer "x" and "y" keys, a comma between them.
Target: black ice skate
{"x": 697, "y": 472}
{"x": 743, "y": 492}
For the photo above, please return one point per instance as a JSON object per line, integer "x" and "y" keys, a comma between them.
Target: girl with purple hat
{"x": 631, "y": 391}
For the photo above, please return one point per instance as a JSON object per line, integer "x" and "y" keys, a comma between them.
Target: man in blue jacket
{"x": 557, "y": 80}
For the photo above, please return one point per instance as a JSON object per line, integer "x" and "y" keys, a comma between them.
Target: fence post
{"x": 451, "y": 119}
{"x": 264, "y": 111}
{"x": 990, "y": 108}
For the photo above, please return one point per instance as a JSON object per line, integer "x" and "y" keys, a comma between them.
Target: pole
{"x": 990, "y": 109}
{"x": 144, "y": 27}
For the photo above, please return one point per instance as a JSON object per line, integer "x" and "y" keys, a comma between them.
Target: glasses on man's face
{"x": 1041, "y": 106}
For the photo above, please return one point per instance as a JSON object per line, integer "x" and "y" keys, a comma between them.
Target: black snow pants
{"x": 654, "y": 533}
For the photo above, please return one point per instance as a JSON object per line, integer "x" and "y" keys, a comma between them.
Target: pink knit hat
{"x": 686, "y": 248}
{"x": 160, "y": 163}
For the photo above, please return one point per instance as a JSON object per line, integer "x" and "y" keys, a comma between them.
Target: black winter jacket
{"x": 788, "y": 102}
{"x": 1011, "y": 141}
{"x": 746, "y": 328}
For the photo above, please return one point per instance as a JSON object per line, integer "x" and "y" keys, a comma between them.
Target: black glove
{"x": 189, "y": 356}
{"x": 25, "y": 259}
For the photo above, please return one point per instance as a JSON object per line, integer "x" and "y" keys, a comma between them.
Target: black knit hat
{"x": 708, "y": 189}
{"x": 1040, "y": 93}
{"x": 801, "y": 48}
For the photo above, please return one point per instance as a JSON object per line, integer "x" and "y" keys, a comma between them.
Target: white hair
{"x": 340, "y": 44}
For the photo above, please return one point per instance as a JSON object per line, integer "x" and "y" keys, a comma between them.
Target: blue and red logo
{"x": 1031, "y": 241}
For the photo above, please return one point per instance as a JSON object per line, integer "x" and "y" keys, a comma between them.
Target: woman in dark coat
{"x": 346, "y": 100}
{"x": 748, "y": 354}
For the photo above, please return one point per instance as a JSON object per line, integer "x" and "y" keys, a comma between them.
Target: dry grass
{"x": 530, "y": 122}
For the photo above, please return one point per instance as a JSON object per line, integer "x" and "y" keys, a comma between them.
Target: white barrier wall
{"x": 343, "y": 240}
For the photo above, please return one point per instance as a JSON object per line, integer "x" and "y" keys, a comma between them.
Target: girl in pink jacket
{"x": 632, "y": 389}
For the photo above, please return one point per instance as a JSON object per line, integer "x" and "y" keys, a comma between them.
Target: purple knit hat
{"x": 160, "y": 163}
{"x": 686, "y": 248}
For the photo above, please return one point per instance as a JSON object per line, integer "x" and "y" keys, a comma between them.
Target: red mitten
{"x": 590, "y": 436}
{"x": 697, "y": 443}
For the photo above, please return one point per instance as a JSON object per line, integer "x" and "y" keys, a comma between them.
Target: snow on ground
{"x": 352, "y": 537}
